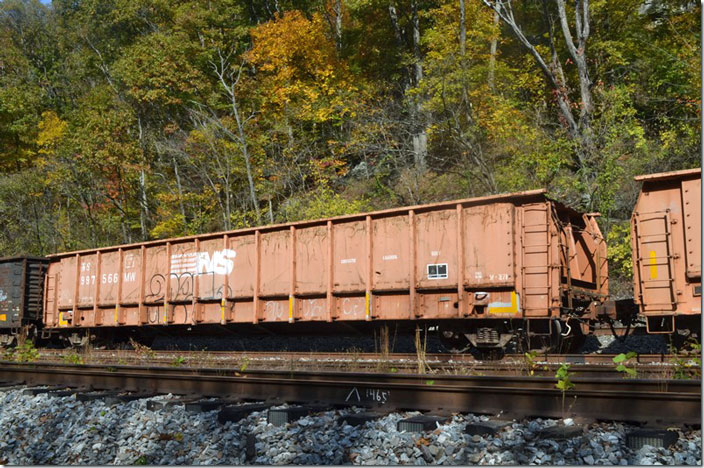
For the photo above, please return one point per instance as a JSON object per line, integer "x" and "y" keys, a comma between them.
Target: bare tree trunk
{"x": 397, "y": 29}
{"x": 400, "y": 43}
{"x": 463, "y": 28}
{"x": 417, "y": 62}
{"x": 578, "y": 54}
{"x": 224, "y": 74}
{"x": 553, "y": 77}
{"x": 579, "y": 127}
{"x": 420, "y": 139}
{"x": 492, "y": 55}
{"x": 37, "y": 230}
{"x": 289, "y": 129}
{"x": 338, "y": 23}
{"x": 252, "y": 12}
{"x": 398, "y": 34}
{"x": 247, "y": 161}
{"x": 143, "y": 203}
{"x": 179, "y": 187}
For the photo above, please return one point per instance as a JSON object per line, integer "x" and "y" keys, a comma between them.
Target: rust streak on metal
{"x": 292, "y": 276}
{"x": 120, "y": 279}
{"x": 329, "y": 298}
{"x": 460, "y": 262}
{"x": 413, "y": 299}
{"x": 257, "y": 275}
{"x": 97, "y": 317}
{"x": 368, "y": 273}
{"x": 75, "y": 319}
{"x": 143, "y": 319}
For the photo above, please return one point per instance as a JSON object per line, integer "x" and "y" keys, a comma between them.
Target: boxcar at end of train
{"x": 21, "y": 296}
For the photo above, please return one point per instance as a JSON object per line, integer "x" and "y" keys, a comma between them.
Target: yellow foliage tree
{"x": 51, "y": 131}
{"x": 299, "y": 72}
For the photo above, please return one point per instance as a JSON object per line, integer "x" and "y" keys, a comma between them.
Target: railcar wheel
{"x": 454, "y": 341}
{"x": 552, "y": 341}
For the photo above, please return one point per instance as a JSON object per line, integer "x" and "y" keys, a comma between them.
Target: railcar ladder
{"x": 654, "y": 261}
{"x": 50, "y": 302}
{"x": 535, "y": 260}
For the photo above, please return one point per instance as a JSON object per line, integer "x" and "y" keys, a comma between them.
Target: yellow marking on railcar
{"x": 62, "y": 322}
{"x": 510, "y": 309}
{"x": 290, "y": 309}
{"x": 3, "y": 317}
{"x": 653, "y": 265}
{"x": 367, "y": 306}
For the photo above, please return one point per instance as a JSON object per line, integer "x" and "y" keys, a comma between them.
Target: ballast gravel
{"x": 51, "y": 430}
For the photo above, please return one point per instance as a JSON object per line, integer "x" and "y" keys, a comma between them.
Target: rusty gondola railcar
{"x": 21, "y": 296}
{"x": 666, "y": 239}
{"x": 483, "y": 269}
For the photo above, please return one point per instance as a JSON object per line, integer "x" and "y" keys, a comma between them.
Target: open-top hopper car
{"x": 483, "y": 270}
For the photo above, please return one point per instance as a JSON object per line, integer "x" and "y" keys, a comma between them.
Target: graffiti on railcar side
{"x": 153, "y": 314}
{"x": 184, "y": 287}
{"x": 209, "y": 291}
{"x": 157, "y": 290}
{"x": 223, "y": 288}
{"x": 274, "y": 308}
{"x": 313, "y": 308}
{"x": 182, "y": 293}
{"x": 156, "y": 284}
{"x": 350, "y": 307}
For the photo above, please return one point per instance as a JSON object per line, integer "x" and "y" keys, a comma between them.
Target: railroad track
{"x": 639, "y": 400}
{"x": 345, "y": 356}
{"x": 652, "y": 366}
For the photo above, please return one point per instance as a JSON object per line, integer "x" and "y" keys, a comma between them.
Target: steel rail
{"x": 650, "y": 366}
{"x": 664, "y": 401}
{"x": 650, "y": 371}
{"x": 316, "y": 356}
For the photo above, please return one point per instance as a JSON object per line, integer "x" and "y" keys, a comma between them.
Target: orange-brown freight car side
{"x": 666, "y": 238}
{"x": 483, "y": 261}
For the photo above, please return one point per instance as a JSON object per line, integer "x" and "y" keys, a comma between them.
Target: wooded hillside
{"x": 126, "y": 120}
